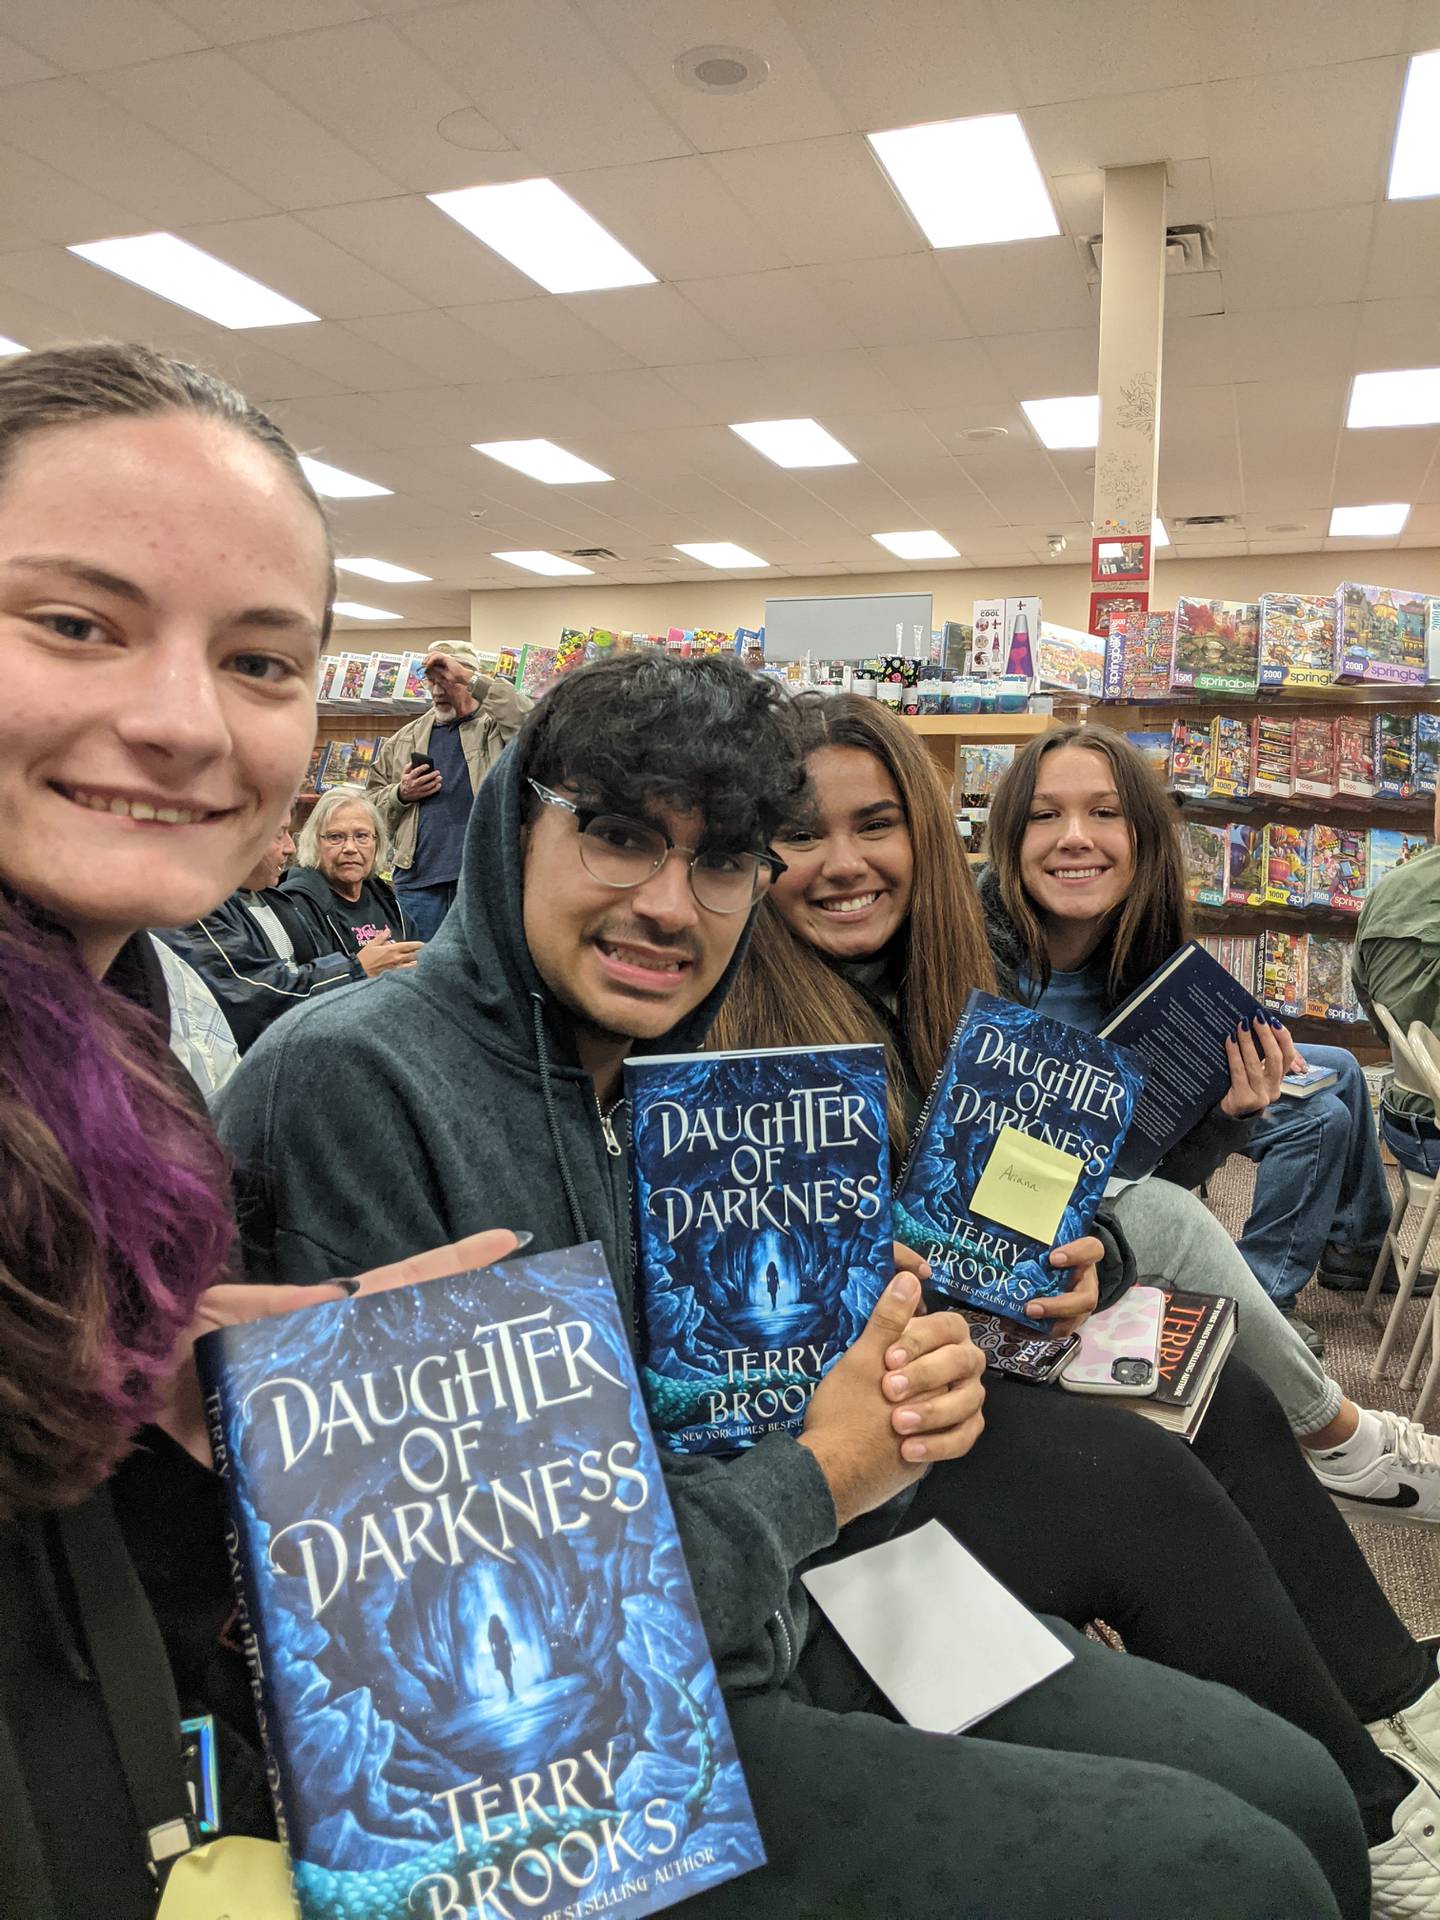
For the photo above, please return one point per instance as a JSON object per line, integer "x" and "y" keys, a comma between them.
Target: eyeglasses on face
{"x": 620, "y": 852}
{"x": 362, "y": 836}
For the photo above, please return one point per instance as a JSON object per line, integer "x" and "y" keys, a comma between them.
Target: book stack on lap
{"x": 1198, "y": 1332}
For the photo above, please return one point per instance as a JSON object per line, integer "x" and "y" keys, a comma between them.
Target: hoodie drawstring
{"x": 547, "y": 1095}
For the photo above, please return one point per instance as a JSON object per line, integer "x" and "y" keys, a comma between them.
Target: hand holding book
{"x": 1067, "y": 1312}
{"x": 1255, "y": 1071}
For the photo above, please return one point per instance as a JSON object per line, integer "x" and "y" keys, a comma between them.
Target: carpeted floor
{"x": 1406, "y": 1559}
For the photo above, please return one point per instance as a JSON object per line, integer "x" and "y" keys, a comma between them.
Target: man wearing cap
{"x": 427, "y": 774}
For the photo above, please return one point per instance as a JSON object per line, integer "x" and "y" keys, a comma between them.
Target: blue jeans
{"x": 1318, "y": 1179}
{"x": 425, "y": 907}
{"x": 1420, "y": 1156}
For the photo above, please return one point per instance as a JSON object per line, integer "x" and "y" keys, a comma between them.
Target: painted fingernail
{"x": 522, "y": 1239}
{"x": 350, "y": 1287}
{"x": 908, "y": 1419}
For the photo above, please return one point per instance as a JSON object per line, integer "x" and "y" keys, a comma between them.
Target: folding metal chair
{"x": 1416, "y": 1190}
{"x": 1426, "y": 1048}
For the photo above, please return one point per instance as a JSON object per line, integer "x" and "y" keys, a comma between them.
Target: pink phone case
{"x": 1119, "y": 1349}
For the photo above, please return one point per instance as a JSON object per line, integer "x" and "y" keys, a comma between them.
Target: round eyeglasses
{"x": 619, "y": 852}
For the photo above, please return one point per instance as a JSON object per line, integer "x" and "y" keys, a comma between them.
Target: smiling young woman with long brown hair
{"x": 877, "y": 897}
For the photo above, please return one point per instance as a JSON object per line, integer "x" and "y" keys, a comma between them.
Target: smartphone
{"x": 422, "y": 760}
{"x": 1011, "y": 1348}
{"x": 1119, "y": 1350}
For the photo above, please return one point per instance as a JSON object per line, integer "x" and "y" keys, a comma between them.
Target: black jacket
{"x": 308, "y": 896}
{"x": 254, "y": 986}
{"x": 143, "y": 1560}
{"x": 1208, "y": 1142}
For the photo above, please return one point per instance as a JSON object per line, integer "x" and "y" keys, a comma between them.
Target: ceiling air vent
{"x": 1206, "y": 520}
{"x": 592, "y": 553}
{"x": 1188, "y": 249}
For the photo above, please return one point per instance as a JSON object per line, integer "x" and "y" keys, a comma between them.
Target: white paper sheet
{"x": 937, "y": 1633}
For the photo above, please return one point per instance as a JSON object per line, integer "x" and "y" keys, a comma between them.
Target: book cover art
{"x": 326, "y": 669}
{"x": 1380, "y": 634}
{"x": 1282, "y": 972}
{"x": 1297, "y": 641}
{"x": 1217, "y": 646}
{"x": 761, "y": 1190}
{"x": 1190, "y": 758}
{"x": 1153, "y": 745}
{"x": 1205, "y": 852}
{"x": 1390, "y": 849}
{"x": 1338, "y": 867}
{"x": 1229, "y": 757}
{"x": 1192, "y": 1327}
{"x": 1327, "y": 986}
{"x": 1355, "y": 756}
{"x": 1287, "y": 865}
{"x": 1394, "y": 756}
{"x": 1012, "y": 1152}
{"x": 1247, "y": 865}
{"x": 1272, "y": 756}
{"x": 311, "y": 782}
{"x": 483, "y": 1683}
{"x": 570, "y": 653}
{"x": 1315, "y": 766}
{"x": 335, "y": 767}
{"x": 361, "y": 758}
{"x": 536, "y": 669}
{"x": 382, "y": 677}
{"x": 349, "y": 682}
{"x": 1427, "y": 754}
{"x": 411, "y": 688}
{"x": 1138, "y": 646}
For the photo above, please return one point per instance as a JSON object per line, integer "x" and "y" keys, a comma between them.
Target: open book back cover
{"x": 1177, "y": 1023}
{"x": 1009, "y": 1067}
{"x": 761, "y": 1186}
{"x": 482, "y": 1682}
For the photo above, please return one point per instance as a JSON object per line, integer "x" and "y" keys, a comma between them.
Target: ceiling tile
{"x": 949, "y": 373}
{"x": 1196, "y": 352}
{"x": 1286, "y": 346}
{"x": 37, "y": 203}
{"x": 656, "y": 325}
{"x": 635, "y": 398}
{"x": 1038, "y": 366}
{"x": 79, "y": 132}
{"x": 1275, "y": 259}
{"x": 80, "y": 37}
{"x": 1243, "y": 39}
{"x": 1027, "y": 286}
{"x": 211, "y": 104}
{"x": 442, "y": 345}
{"x": 1397, "y": 333}
{"x": 18, "y": 64}
{"x": 1081, "y": 53}
{"x": 1284, "y": 143}
{"x": 355, "y": 363}
{"x": 1383, "y": 463}
{"x": 895, "y": 65}
{"x": 1078, "y": 136}
{"x": 223, "y": 22}
{"x": 543, "y": 74}
{"x": 417, "y": 246}
{"x": 770, "y": 312}
{"x": 539, "y": 336}
{"x": 1189, "y": 198}
{"x": 678, "y": 217}
{"x": 374, "y": 90}
{"x": 1406, "y": 259}
{"x": 891, "y": 301}
{"x": 295, "y": 261}
{"x": 820, "y": 199}
{"x": 1288, "y": 435}
{"x": 791, "y": 104}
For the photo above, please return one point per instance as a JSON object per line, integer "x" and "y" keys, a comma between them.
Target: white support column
{"x": 1132, "y": 322}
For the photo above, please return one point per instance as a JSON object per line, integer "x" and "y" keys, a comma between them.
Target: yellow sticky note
{"x": 1026, "y": 1184}
{"x": 231, "y": 1879}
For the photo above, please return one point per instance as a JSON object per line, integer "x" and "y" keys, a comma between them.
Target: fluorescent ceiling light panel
{"x": 537, "y": 560}
{"x": 720, "y": 553}
{"x": 1415, "y": 164}
{"x": 794, "y": 443}
{"x": 1159, "y": 537}
{"x": 1409, "y": 398}
{"x": 969, "y": 183}
{"x": 163, "y": 263}
{"x": 354, "y": 610}
{"x": 380, "y": 570}
{"x": 1376, "y": 521}
{"x": 542, "y": 460}
{"x": 333, "y": 483}
{"x": 1069, "y": 422}
{"x": 917, "y": 546}
{"x": 9, "y": 346}
{"x": 538, "y": 228}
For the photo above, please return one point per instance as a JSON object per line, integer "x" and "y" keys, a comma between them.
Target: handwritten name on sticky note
{"x": 1026, "y": 1184}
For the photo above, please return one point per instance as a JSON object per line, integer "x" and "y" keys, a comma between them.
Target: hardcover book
{"x": 1206, "y": 855}
{"x": 1394, "y": 756}
{"x": 1217, "y": 646}
{"x": 482, "y": 1681}
{"x": 1012, "y": 1152}
{"x": 1315, "y": 769}
{"x": 1196, "y": 1336}
{"x": 761, "y": 1188}
{"x": 1327, "y": 979}
{"x": 1282, "y": 972}
{"x": 1273, "y": 756}
{"x": 1229, "y": 757}
{"x": 1380, "y": 634}
{"x": 1287, "y": 865}
{"x": 1338, "y": 868}
{"x": 1355, "y": 756}
{"x": 1297, "y": 641}
{"x": 1427, "y": 753}
{"x": 1190, "y": 749}
{"x": 1247, "y": 865}
{"x": 1176, "y": 1023}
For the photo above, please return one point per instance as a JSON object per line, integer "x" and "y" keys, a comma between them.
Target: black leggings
{"x": 1227, "y": 1560}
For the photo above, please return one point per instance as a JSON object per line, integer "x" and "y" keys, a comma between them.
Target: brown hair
{"x": 787, "y": 994}
{"x": 1153, "y": 919}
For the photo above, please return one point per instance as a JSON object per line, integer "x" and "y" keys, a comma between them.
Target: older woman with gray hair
{"x": 335, "y": 890}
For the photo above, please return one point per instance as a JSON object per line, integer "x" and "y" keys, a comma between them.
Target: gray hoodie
{"x": 402, "y": 1113}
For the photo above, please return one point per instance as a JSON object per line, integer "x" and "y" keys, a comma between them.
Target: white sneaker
{"x": 1402, "y": 1486}
{"x": 1405, "y": 1870}
{"x": 1412, "y": 1736}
